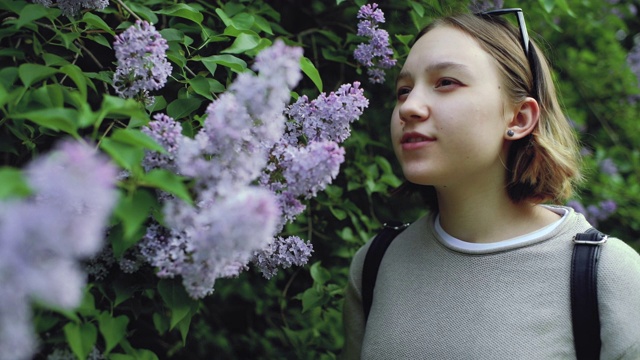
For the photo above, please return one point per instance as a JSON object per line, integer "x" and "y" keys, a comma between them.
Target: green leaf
{"x": 97, "y": 23}
{"x": 312, "y": 298}
{"x": 310, "y": 70}
{"x": 30, "y": 13}
{"x": 547, "y": 5}
{"x": 112, "y": 329}
{"x": 138, "y": 139}
{"x": 81, "y": 338}
{"x": 167, "y": 181}
{"x": 243, "y": 21}
{"x": 78, "y": 77}
{"x": 319, "y": 274}
{"x": 176, "y": 299}
{"x": 338, "y": 213}
{"x": 243, "y": 43}
{"x": 58, "y": 119}
{"x": 200, "y": 85}
{"x": 144, "y": 12}
{"x": 127, "y": 156}
{"x": 184, "y": 11}
{"x": 418, "y": 8}
{"x": 32, "y": 73}
{"x": 235, "y": 64}
{"x": 134, "y": 210}
{"x": 405, "y": 39}
{"x": 172, "y": 34}
{"x": 14, "y": 184}
{"x": 181, "y": 108}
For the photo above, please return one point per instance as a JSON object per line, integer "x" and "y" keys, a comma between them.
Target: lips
{"x": 414, "y": 140}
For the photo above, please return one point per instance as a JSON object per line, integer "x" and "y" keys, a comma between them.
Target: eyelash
{"x": 450, "y": 82}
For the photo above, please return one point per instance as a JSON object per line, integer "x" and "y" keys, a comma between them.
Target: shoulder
{"x": 619, "y": 299}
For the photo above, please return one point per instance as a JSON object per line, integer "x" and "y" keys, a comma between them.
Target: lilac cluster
{"x": 283, "y": 253}
{"x": 142, "y": 61}
{"x": 595, "y": 213}
{"x": 310, "y": 169}
{"x": 607, "y": 166}
{"x": 633, "y": 60}
{"x": 166, "y": 132}
{"x": 43, "y": 237}
{"x": 376, "y": 55}
{"x": 231, "y": 219}
{"x": 72, "y": 7}
{"x": 328, "y": 117}
{"x": 478, "y": 6}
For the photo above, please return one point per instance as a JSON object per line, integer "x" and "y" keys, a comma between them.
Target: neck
{"x": 484, "y": 215}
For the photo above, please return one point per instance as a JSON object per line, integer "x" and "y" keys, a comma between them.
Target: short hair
{"x": 545, "y": 165}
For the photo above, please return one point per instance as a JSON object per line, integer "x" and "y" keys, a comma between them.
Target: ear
{"x": 524, "y": 120}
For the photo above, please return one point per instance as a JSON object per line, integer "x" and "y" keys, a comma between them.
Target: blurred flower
{"x": 43, "y": 238}
{"x": 478, "y": 6}
{"x": 608, "y": 167}
{"x": 633, "y": 60}
{"x": 595, "y": 213}
{"x": 142, "y": 61}
{"x": 72, "y": 7}
{"x": 310, "y": 169}
{"x": 377, "y": 54}
{"x": 283, "y": 253}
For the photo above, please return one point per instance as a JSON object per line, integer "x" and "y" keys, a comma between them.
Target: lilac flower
{"x": 608, "y": 167}
{"x": 328, "y": 117}
{"x": 310, "y": 169}
{"x": 167, "y": 132}
{"x": 142, "y": 61}
{"x": 633, "y": 60}
{"x": 42, "y": 238}
{"x": 376, "y": 55}
{"x": 72, "y": 7}
{"x": 222, "y": 237}
{"x": 478, "y": 6}
{"x": 243, "y": 124}
{"x": 283, "y": 252}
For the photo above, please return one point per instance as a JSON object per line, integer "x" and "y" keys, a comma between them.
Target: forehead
{"x": 446, "y": 44}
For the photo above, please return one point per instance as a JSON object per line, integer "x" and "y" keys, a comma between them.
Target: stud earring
{"x": 510, "y": 133}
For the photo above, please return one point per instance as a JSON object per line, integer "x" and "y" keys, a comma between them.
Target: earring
{"x": 510, "y": 133}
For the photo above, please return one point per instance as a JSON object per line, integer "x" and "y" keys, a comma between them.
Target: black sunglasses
{"x": 528, "y": 48}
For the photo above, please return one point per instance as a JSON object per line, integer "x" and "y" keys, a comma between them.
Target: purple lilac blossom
{"x": 243, "y": 124}
{"x": 44, "y": 237}
{"x": 142, "y": 61}
{"x": 71, "y": 8}
{"x": 608, "y": 167}
{"x": 633, "y": 60}
{"x": 478, "y": 6}
{"x": 310, "y": 169}
{"x": 166, "y": 132}
{"x": 223, "y": 236}
{"x": 284, "y": 253}
{"x": 377, "y": 54}
{"x": 327, "y": 117}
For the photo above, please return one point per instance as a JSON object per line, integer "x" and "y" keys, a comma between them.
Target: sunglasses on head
{"x": 528, "y": 48}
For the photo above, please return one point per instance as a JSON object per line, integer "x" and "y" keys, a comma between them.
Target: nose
{"x": 414, "y": 108}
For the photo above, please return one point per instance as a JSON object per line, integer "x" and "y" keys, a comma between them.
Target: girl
{"x": 478, "y": 129}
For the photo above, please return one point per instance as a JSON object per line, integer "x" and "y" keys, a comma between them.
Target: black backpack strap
{"x": 372, "y": 261}
{"x": 584, "y": 293}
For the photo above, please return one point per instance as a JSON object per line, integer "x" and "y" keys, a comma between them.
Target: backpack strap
{"x": 372, "y": 261}
{"x": 584, "y": 293}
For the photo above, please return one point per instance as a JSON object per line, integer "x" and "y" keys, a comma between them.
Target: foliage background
{"x": 55, "y": 77}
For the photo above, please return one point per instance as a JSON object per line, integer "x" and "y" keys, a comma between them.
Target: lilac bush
{"x": 595, "y": 213}
{"x": 43, "y": 238}
{"x": 376, "y": 55}
{"x": 73, "y": 7}
{"x": 142, "y": 61}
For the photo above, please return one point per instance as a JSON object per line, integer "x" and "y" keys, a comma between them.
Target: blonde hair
{"x": 544, "y": 166}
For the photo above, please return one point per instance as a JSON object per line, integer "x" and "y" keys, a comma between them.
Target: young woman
{"x": 478, "y": 129}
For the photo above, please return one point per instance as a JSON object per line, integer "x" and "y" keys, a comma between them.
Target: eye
{"x": 447, "y": 83}
{"x": 402, "y": 92}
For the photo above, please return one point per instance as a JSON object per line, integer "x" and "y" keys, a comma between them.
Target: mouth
{"x": 413, "y": 138}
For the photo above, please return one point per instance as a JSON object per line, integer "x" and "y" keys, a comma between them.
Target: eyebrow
{"x": 439, "y": 66}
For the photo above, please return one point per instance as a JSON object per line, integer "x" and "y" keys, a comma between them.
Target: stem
{"x": 129, "y": 10}
{"x": 93, "y": 57}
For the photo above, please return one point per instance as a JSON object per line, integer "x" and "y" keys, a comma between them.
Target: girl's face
{"x": 449, "y": 123}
